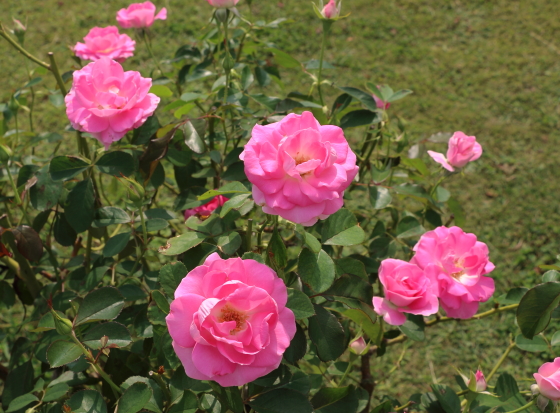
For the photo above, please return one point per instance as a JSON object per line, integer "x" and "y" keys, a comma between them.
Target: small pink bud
{"x": 330, "y": 11}
{"x": 19, "y": 27}
{"x": 381, "y": 104}
{"x": 223, "y": 4}
{"x": 358, "y": 346}
{"x": 480, "y": 382}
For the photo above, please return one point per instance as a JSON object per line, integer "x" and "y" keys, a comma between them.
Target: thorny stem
{"x": 249, "y": 234}
{"x": 20, "y": 49}
{"x": 500, "y": 361}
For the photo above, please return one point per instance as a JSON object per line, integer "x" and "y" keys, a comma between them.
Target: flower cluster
{"x": 449, "y": 265}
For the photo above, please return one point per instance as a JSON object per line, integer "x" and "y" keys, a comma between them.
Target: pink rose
{"x": 229, "y": 322}
{"x": 223, "y": 4}
{"x": 381, "y": 104}
{"x": 462, "y": 149}
{"x": 206, "y": 209}
{"x": 407, "y": 290}
{"x": 548, "y": 383}
{"x": 298, "y": 168}
{"x": 140, "y": 15}
{"x": 358, "y": 346}
{"x": 107, "y": 102}
{"x": 458, "y": 262}
{"x": 480, "y": 382}
{"x": 105, "y": 42}
{"x": 330, "y": 11}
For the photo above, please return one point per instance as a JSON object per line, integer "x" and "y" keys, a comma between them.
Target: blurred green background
{"x": 488, "y": 68}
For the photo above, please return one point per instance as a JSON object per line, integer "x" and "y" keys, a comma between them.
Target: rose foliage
{"x": 195, "y": 238}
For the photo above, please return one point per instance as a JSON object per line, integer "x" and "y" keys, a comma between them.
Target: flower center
{"x": 459, "y": 264}
{"x": 300, "y": 158}
{"x": 228, "y": 313}
{"x": 114, "y": 89}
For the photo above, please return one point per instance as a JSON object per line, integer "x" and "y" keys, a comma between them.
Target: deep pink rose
{"x": 548, "y": 380}
{"x": 458, "y": 262}
{"x": 407, "y": 290}
{"x": 107, "y": 102}
{"x": 462, "y": 149}
{"x": 229, "y": 321}
{"x": 298, "y": 168}
{"x": 330, "y": 11}
{"x": 223, "y": 4}
{"x": 140, "y": 15}
{"x": 105, "y": 42}
{"x": 206, "y": 209}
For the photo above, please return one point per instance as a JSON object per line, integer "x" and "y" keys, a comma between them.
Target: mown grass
{"x": 490, "y": 69}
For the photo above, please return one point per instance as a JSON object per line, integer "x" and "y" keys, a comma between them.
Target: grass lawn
{"x": 490, "y": 69}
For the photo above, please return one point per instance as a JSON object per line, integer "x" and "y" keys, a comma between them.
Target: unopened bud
{"x": 477, "y": 382}
{"x": 62, "y": 325}
{"x": 228, "y": 62}
{"x": 358, "y": 346}
{"x": 5, "y": 154}
{"x": 331, "y": 10}
{"x": 103, "y": 341}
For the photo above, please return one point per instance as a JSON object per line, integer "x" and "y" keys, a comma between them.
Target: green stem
{"x": 261, "y": 229}
{"x": 17, "y": 129}
{"x": 150, "y": 51}
{"x": 96, "y": 367}
{"x": 500, "y": 362}
{"x": 20, "y": 49}
{"x": 323, "y": 46}
{"x": 144, "y": 231}
{"x": 13, "y": 184}
{"x": 56, "y": 74}
{"x": 249, "y": 234}
{"x": 522, "y": 408}
{"x": 162, "y": 385}
{"x": 87, "y": 259}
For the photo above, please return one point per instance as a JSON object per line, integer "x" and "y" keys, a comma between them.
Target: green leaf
{"x": 46, "y": 192}
{"x": 210, "y": 403}
{"x": 513, "y": 296}
{"x": 276, "y": 256}
{"x": 351, "y": 286}
{"x": 192, "y": 138}
{"x": 535, "y": 344}
{"x": 228, "y": 189}
{"x": 187, "y": 404}
{"x": 63, "y": 352}
{"x": 551, "y": 276}
{"x": 155, "y": 404}
{"x": 349, "y": 265}
{"x": 506, "y": 387}
{"x": 55, "y": 392}
{"x": 234, "y": 203}
{"x": 352, "y": 236}
{"x": 7, "y": 295}
{"x": 135, "y": 397}
{"x": 555, "y": 340}
{"x": 300, "y": 304}
{"x": 118, "y": 335}
{"x": 281, "y": 401}
{"x": 29, "y": 243}
{"x": 399, "y": 95}
{"x": 170, "y": 276}
{"x": 19, "y": 382}
{"x": 458, "y": 212}
{"x": 105, "y": 303}
{"x": 161, "y": 91}
{"x": 335, "y": 400}
{"x": 365, "y": 98}
{"x": 116, "y": 163}
{"x": 253, "y": 256}
{"x": 536, "y": 307}
{"x": 309, "y": 240}
{"x": 414, "y": 327}
{"x": 182, "y": 243}
{"x": 409, "y": 227}
{"x": 87, "y": 401}
{"x": 337, "y": 223}
{"x": 161, "y": 301}
{"x": 21, "y": 402}
{"x": 154, "y": 225}
{"x": 229, "y": 243}
{"x": 316, "y": 270}
{"x": 81, "y": 206}
{"x": 447, "y": 398}
{"x": 326, "y": 334}
{"x": 63, "y": 168}
{"x": 108, "y": 215}
{"x": 379, "y": 197}
{"x": 360, "y": 117}
{"x": 284, "y": 59}
{"x": 297, "y": 348}
{"x": 116, "y": 244}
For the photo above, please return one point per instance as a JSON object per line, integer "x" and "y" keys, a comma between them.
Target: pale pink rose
{"x": 548, "y": 380}
{"x": 140, "y": 15}
{"x": 105, "y": 42}
{"x": 223, "y": 4}
{"x": 298, "y": 168}
{"x": 458, "y": 262}
{"x": 229, "y": 321}
{"x": 358, "y": 346}
{"x": 462, "y": 149}
{"x": 206, "y": 209}
{"x": 407, "y": 290}
{"x": 381, "y": 104}
{"x": 330, "y": 11}
{"x": 107, "y": 102}
{"x": 480, "y": 380}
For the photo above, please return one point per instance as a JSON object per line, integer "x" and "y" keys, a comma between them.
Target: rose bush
{"x": 147, "y": 279}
